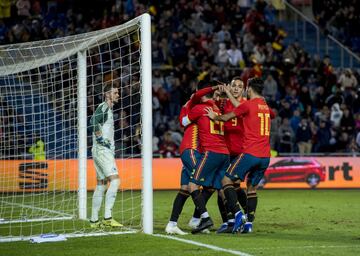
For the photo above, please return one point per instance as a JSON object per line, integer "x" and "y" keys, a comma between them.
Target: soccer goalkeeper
{"x": 102, "y": 123}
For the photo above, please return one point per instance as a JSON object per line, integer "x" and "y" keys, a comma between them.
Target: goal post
{"x": 48, "y": 92}
{"x": 147, "y": 122}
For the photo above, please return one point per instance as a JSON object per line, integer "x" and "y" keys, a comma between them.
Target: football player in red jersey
{"x": 190, "y": 151}
{"x": 234, "y": 134}
{"x": 211, "y": 167}
{"x": 255, "y": 156}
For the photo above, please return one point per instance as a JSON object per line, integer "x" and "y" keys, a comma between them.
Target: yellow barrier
{"x": 54, "y": 175}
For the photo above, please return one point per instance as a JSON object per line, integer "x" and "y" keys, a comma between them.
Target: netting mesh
{"x": 39, "y": 129}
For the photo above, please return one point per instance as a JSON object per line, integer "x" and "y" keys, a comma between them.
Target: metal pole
{"x": 318, "y": 40}
{"x": 296, "y": 26}
{"x": 304, "y": 30}
{"x": 327, "y": 45}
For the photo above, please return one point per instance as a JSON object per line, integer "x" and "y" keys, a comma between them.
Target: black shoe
{"x": 226, "y": 228}
{"x": 204, "y": 224}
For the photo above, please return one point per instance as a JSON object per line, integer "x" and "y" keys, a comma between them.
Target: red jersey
{"x": 211, "y": 133}
{"x": 234, "y": 130}
{"x": 256, "y": 120}
{"x": 190, "y": 139}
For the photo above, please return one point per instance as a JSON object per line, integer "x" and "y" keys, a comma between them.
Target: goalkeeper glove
{"x": 103, "y": 142}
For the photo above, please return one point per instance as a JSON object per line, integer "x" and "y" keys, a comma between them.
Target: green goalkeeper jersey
{"x": 103, "y": 120}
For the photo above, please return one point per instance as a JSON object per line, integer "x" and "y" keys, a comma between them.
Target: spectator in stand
{"x": 285, "y": 111}
{"x": 320, "y": 97}
{"x": 323, "y": 137}
{"x": 304, "y": 97}
{"x": 274, "y": 130}
{"x": 286, "y": 137}
{"x": 167, "y": 147}
{"x": 270, "y": 88}
{"x": 235, "y": 56}
{"x": 347, "y": 82}
{"x": 222, "y": 56}
{"x": 336, "y": 115}
{"x": 303, "y": 137}
{"x": 23, "y": 8}
{"x": 357, "y": 140}
{"x": 295, "y": 120}
{"x": 347, "y": 123}
{"x": 343, "y": 142}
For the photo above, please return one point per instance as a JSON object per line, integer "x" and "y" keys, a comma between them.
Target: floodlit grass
{"x": 288, "y": 222}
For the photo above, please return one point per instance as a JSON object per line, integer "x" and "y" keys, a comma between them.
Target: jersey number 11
{"x": 264, "y": 124}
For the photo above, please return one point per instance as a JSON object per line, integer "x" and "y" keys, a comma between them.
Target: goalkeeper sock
{"x": 231, "y": 198}
{"x": 178, "y": 204}
{"x": 96, "y": 202}
{"x": 198, "y": 201}
{"x": 241, "y": 195}
{"x": 110, "y": 197}
{"x": 251, "y": 206}
{"x": 206, "y": 193}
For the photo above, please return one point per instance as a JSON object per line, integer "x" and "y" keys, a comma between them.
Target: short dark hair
{"x": 205, "y": 83}
{"x": 236, "y": 78}
{"x": 257, "y": 84}
{"x": 108, "y": 87}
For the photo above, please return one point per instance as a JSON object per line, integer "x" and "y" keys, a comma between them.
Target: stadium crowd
{"x": 318, "y": 106}
{"x": 341, "y": 19}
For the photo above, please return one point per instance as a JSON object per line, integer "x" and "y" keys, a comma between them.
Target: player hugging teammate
{"x": 233, "y": 146}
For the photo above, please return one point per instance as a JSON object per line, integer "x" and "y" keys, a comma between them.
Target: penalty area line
{"x": 208, "y": 246}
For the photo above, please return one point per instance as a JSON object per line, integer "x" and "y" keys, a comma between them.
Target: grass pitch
{"x": 296, "y": 222}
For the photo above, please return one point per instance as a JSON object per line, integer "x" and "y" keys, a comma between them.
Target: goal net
{"x": 48, "y": 93}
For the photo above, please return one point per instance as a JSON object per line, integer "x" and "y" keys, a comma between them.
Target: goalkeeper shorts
{"x": 104, "y": 162}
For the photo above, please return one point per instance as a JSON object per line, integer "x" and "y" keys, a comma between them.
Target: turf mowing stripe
{"x": 37, "y": 208}
{"x": 211, "y": 247}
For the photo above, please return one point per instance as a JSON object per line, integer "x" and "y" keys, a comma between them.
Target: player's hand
{"x": 103, "y": 142}
{"x": 210, "y": 113}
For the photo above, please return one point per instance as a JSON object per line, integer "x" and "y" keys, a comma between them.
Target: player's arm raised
{"x": 213, "y": 116}
{"x": 196, "y": 97}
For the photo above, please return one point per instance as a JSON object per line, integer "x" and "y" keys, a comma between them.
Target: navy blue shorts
{"x": 189, "y": 158}
{"x": 210, "y": 170}
{"x": 246, "y": 164}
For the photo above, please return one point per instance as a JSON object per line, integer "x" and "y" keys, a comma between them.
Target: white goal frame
{"x": 146, "y": 112}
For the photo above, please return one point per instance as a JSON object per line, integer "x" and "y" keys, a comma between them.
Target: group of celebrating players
{"x": 226, "y": 141}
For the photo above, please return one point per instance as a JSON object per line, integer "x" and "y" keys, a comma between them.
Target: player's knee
{"x": 250, "y": 188}
{"x": 101, "y": 182}
{"x": 184, "y": 192}
{"x": 115, "y": 183}
{"x": 193, "y": 187}
{"x": 227, "y": 186}
{"x": 226, "y": 181}
{"x": 184, "y": 187}
{"x": 113, "y": 177}
{"x": 251, "y": 194}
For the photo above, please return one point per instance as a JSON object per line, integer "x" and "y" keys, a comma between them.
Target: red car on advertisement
{"x": 295, "y": 170}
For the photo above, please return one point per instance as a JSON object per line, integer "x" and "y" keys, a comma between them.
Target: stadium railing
{"x": 302, "y": 28}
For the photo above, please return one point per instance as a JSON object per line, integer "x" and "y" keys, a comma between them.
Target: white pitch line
{"x": 72, "y": 235}
{"x": 306, "y": 247}
{"x": 208, "y": 246}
